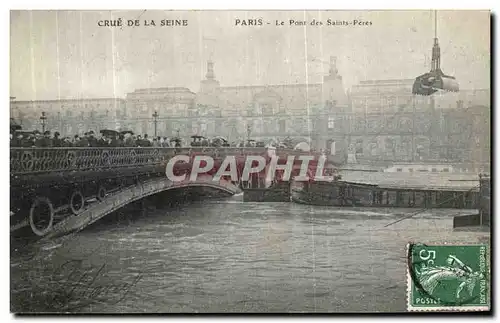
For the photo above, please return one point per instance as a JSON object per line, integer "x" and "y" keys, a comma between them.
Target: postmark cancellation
{"x": 448, "y": 277}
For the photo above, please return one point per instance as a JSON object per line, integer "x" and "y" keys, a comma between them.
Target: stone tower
{"x": 333, "y": 127}
{"x": 209, "y": 84}
{"x": 333, "y": 89}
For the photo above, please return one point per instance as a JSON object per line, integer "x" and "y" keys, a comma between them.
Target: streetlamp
{"x": 42, "y": 119}
{"x": 249, "y": 131}
{"x": 155, "y": 116}
{"x": 60, "y": 120}
{"x": 177, "y": 139}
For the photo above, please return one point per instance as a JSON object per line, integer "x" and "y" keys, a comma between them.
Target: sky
{"x": 65, "y": 54}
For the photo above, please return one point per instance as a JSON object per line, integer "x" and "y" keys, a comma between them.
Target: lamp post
{"x": 178, "y": 139}
{"x": 60, "y": 120}
{"x": 42, "y": 120}
{"x": 155, "y": 116}
{"x": 249, "y": 131}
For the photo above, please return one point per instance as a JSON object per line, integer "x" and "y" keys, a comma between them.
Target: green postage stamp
{"x": 448, "y": 277}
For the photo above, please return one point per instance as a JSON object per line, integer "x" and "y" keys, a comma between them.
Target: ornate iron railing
{"x": 44, "y": 160}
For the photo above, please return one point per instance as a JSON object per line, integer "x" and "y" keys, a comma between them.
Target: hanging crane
{"x": 435, "y": 80}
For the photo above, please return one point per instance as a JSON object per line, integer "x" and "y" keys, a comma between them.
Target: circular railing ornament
{"x": 41, "y": 216}
{"x": 101, "y": 193}
{"x": 76, "y": 202}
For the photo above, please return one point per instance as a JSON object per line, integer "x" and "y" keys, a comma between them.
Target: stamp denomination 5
{"x": 448, "y": 278}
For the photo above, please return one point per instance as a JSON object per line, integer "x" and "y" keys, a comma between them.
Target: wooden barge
{"x": 352, "y": 194}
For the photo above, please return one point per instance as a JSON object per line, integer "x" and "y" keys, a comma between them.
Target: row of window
{"x": 390, "y": 125}
{"x": 50, "y": 107}
{"x": 445, "y": 170}
{"x": 382, "y": 101}
{"x": 254, "y": 126}
{"x": 77, "y": 111}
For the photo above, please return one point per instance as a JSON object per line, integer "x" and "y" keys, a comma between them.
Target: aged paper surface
{"x": 249, "y": 161}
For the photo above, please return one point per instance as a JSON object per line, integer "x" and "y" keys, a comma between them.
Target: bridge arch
{"x": 114, "y": 201}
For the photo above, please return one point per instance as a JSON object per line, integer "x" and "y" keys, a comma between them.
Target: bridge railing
{"x": 43, "y": 160}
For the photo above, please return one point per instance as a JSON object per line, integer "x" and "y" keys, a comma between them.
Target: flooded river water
{"x": 230, "y": 256}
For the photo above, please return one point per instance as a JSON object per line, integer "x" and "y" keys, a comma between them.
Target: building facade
{"x": 300, "y": 112}
{"x": 390, "y": 124}
{"x": 464, "y": 135}
{"x": 173, "y": 107}
{"x": 69, "y": 117}
{"x": 303, "y": 112}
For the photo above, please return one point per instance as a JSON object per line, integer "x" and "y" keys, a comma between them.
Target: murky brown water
{"x": 230, "y": 256}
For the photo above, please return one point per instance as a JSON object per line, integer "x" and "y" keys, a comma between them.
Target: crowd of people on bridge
{"x": 88, "y": 139}
{"x": 112, "y": 138}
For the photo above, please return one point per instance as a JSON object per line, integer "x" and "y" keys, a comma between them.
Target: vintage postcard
{"x": 207, "y": 161}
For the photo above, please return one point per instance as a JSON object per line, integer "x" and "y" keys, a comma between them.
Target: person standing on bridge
{"x": 34, "y": 137}
{"x": 138, "y": 141}
{"x": 44, "y": 141}
{"x": 146, "y": 142}
{"x": 29, "y": 140}
{"x": 128, "y": 140}
{"x": 76, "y": 139}
{"x": 66, "y": 142}
{"x": 81, "y": 142}
{"x": 17, "y": 141}
{"x": 56, "y": 141}
{"x": 102, "y": 141}
{"x": 165, "y": 142}
{"x": 91, "y": 139}
{"x": 112, "y": 141}
{"x": 121, "y": 141}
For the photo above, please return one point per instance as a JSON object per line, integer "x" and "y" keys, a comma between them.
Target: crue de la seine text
{"x": 147, "y": 23}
